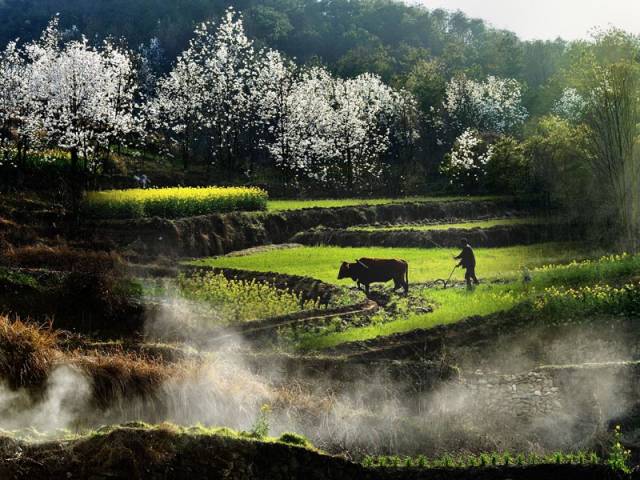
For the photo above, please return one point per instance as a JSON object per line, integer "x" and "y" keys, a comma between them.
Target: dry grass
{"x": 27, "y": 352}
{"x": 117, "y": 377}
{"x": 60, "y": 257}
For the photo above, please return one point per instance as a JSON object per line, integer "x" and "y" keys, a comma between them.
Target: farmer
{"x": 468, "y": 262}
{"x": 143, "y": 180}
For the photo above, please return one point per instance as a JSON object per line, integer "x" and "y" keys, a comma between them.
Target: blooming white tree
{"x": 492, "y": 106}
{"x": 209, "y": 93}
{"x": 78, "y": 98}
{"x": 466, "y": 164}
{"x": 12, "y": 72}
{"x": 288, "y": 103}
{"x": 360, "y": 127}
{"x": 12, "y": 105}
{"x": 571, "y": 105}
{"x": 332, "y": 130}
{"x": 315, "y": 126}
{"x": 178, "y": 106}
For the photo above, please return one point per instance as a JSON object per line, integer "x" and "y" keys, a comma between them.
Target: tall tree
{"x": 79, "y": 98}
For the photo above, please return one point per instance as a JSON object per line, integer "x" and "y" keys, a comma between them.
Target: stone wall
{"x": 525, "y": 395}
{"x": 605, "y": 390}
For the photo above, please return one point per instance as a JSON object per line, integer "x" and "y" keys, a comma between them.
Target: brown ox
{"x": 370, "y": 270}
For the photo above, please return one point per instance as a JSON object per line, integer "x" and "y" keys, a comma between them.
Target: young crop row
{"x": 233, "y": 301}
{"x": 482, "y": 460}
{"x": 172, "y": 202}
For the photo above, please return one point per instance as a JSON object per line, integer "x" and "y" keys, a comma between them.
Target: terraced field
{"x": 280, "y": 205}
{"x": 425, "y": 265}
{"x": 267, "y": 341}
{"x": 447, "y": 225}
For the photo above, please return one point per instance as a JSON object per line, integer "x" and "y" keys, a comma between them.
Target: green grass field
{"x": 455, "y": 304}
{"x": 551, "y": 264}
{"x": 451, "y": 305}
{"x": 424, "y": 264}
{"x": 446, "y": 226}
{"x": 278, "y": 205}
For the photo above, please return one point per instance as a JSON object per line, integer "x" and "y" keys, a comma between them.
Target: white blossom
{"x": 12, "y": 74}
{"x": 571, "y": 105}
{"x": 78, "y": 97}
{"x": 492, "y": 106}
{"x": 334, "y": 130}
{"x": 466, "y": 164}
{"x": 313, "y": 125}
{"x": 209, "y": 91}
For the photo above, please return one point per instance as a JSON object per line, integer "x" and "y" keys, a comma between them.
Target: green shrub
{"x": 295, "y": 439}
{"x": 508, "y": 168}
{"x": 618, "y": 455}
{"x": 262, "y": 425}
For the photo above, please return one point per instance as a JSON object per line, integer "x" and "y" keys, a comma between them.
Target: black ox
{"x": 366, "y": 271}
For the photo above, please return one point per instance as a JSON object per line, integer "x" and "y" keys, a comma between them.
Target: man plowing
{"x": 468, "y": 262}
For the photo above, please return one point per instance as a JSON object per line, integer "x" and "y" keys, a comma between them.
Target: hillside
{"x": 381, "y": 36}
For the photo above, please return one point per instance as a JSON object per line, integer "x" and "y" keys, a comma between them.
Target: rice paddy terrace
{"x": 236, "y": 322}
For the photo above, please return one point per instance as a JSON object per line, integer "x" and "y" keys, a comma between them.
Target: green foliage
{"x": 508, "y": 168}
{"x": 427, "y": 82}
{"x": 12, "y": 279}
{"x": 233, "y": 301}
{"x": 262, "y": 424}
{"x": 619, "y": 456}
{"x": 172, "y": 202}
{"x": 486, "y": 459}
{"x": 556, "y": 152}
{"x": 295, "y": 439}
{"x": 609, "y": 268}
{"x": 389, "y": 38}
{"x": 605, "y": 74}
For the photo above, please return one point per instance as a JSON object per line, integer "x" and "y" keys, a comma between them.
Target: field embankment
{"x": 496, "y": 236}
{"x": 137, "y": 452}
{"x": 217, "y": 234}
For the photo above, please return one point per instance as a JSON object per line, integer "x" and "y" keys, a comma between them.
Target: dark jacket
{"x": 467, "y": 257}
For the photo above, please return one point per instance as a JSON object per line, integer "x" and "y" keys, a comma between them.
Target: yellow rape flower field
{"x": 172, "y": 202}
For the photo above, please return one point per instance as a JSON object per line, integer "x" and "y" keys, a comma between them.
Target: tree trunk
{"x": 76, "y": 186}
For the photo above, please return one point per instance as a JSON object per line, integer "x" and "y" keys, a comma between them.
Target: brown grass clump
{"x": 27, "y": 352}
{"x": 121, "y": 376}
{"x": 61, "y": 257}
